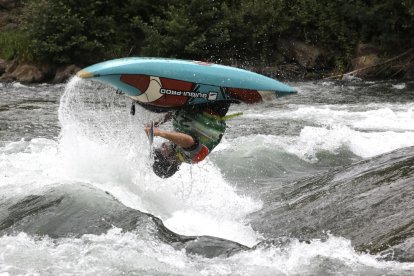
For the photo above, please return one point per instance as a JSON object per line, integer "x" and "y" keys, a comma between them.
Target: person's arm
{"x": 180, "y": 139}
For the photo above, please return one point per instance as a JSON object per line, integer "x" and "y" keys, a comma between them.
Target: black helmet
{"x": 164, "y": 167}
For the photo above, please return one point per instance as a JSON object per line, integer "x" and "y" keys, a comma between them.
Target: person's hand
{"x": 156, "y": 131}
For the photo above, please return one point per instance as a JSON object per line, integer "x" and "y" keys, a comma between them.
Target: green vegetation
{"x": 84, "y": 32}
{"x": 75, "y": 31}
{"x": 15, "y": 45}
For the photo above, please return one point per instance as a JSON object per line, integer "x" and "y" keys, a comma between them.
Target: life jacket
{"x": 207, "y": 128}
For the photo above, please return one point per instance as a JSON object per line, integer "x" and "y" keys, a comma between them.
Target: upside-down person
{"x": 197, "y": 131}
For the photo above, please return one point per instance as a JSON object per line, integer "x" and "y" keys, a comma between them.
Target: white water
{"x": 117, "y": 253}
{"x": 110, "y": 150}
{"x": 313, "y": 140}
{"x": 103, "y": 145}
{"x": 365, "y": 130}
{"x": 396, "y": 117}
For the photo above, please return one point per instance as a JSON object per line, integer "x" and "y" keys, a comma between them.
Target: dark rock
{"x": 75, "y": 210}
{"x": 10, "y": 17}
{"x": 11, "y": 66}
{"x": 282, "y": 72}
{"x": 3, "y": 18}
{"x": 364, "y": 49}
{"x": 308, "y": 56}
{"x": 409, "y": 73}
{"x": 3, "y": 66}
{"x": 211, "y": 247}
{"x": 7, "y": 74}
{"x": 10, "y": 26}
{"x": 6, "y": 78}
{"x": 65, "y": 72}
{"x": 48, "y": 71}
{"x": 9, "y": 4}
{"x": 312, "y": 76}
{"x": 27, "y": 73}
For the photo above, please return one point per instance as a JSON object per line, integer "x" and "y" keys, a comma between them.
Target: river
{"x": 316, "y": 183}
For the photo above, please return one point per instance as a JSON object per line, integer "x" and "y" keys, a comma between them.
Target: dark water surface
{"x": 319, "y": 183}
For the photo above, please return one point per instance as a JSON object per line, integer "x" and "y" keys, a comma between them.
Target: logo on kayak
{"x": 212, "y": 96}
{"x": 173, "y": 92}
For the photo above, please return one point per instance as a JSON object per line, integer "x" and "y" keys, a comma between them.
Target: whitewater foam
{"x": 102, "y": 144}
{"x": 333, "y": 256}
{"x": 365, "y": 130}
{"x": 314, "y": 140}
{"x": 399, "y": 86}
{"x": 397, "y": 117}
{"x": 129, "y": 253}
{"x": 28, "y": 165}
{"x": 19, "y": 85}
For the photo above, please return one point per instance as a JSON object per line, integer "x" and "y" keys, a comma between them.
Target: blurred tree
{"x": 388, "y": 23}
{"x": 198, "y": 29}
{"x": 84, "y": 32}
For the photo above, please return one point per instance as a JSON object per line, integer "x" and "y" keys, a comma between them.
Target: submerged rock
{"x": 75, "y": 210}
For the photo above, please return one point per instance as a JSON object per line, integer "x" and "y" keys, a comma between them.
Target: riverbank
{"x": 299, "y": 62}
{"x": 11, "y": 71}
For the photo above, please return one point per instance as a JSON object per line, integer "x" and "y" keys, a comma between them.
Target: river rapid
{"x": 316, "y": 183}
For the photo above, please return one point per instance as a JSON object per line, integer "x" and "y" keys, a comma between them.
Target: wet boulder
{"x": 211, "y": 247}
{"x": 368, "y": 202}
{"x": 78, "y": 209}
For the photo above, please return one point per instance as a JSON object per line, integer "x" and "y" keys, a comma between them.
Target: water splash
{"x": 102, "y": 144}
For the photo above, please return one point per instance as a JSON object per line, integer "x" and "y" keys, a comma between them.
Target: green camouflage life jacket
{"x": 207, "y": 128}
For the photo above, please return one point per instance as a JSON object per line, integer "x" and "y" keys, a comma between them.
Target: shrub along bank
{"x": 294, "y": 38}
